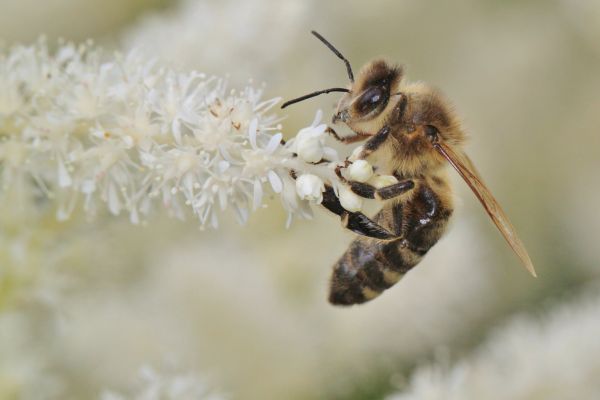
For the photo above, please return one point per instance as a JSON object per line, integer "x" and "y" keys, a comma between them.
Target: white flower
{"x": 132, "y": 136}
{"x": 360, "y": 171}
{"x": 309, "y": 148}
{"x": 155, "y": 385}
{"x": 310, "y": 187}
{"x": 555, "y": 357}
{"x": 349, "y": 200}
{"x": 309, "y": 143}
{"x": 174, "y": 36}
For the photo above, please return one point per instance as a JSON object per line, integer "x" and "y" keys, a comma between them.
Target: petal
{"x": 225, "y": 154}
{"x": 114, "y": 204}
{"x": 330, "y": 154}
{"x": 274, "y": 142}
{"x": 275, "y": 181}
{"x": 318, "y": 117}
{"x": 241, "y": 214}
{"x": 176, "y": 128}
{"x": 222, "y": 166}
{"x": 252, "y": 129}
{"x": 214, "y": 221}
{"x": 319, "y": 129}
{"x": 64, "y": 178}
{"x": 222, "y": 199}
{"x": 134, "y": 216}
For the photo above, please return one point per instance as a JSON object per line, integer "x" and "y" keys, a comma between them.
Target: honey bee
{"x": 415, "y": 134}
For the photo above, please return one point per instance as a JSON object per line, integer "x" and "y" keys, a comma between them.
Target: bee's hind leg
{"x": 357, "y": 222}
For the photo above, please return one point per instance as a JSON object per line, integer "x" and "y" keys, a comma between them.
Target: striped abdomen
{"x": 370, "y": 266}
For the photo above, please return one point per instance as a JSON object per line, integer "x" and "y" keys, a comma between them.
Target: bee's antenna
{"x": 337, "y": 53}
{"x": 313, "y": 94}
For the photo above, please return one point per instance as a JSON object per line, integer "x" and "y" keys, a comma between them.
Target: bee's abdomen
{"x": 370, "y": 266}
{"x": 367, "y": 269}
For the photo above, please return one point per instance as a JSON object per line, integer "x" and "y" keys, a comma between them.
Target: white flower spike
{"x": 125, "y": 134}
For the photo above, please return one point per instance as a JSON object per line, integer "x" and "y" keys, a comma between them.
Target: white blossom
{"x": 309, "y": 142}
{"x": 196, "y": 32}
{"x": 159, "y": 385}
{"x": 360, "y": 171}
{"x": 25, "y": 364}
{"x": 555, "y": 357}
{"x": 126, "y": 134}
{"x": 310, "y": 187}
{"x": 349, "y": 200}
{"x": 380, "y": 181}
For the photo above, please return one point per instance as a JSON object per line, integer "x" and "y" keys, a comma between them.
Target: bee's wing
{"x": 466, "y": 169}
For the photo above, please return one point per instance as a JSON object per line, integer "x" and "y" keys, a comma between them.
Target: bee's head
{"x": 375, "y": 90}
{"x": 367, "y": 97}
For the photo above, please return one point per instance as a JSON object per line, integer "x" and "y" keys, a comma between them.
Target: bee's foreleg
{"x": 358, "y": 137}
{"x": 374, "y": 142}
{"x": 357, "y": 222}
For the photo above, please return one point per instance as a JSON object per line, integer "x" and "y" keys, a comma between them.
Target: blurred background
{"x": 98, "y": 309}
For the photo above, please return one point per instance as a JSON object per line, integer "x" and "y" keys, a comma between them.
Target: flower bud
{"x": 360, "y": 171}
{"x": 350, "y": 200}
{"x": 309, "y": 149}
{"x": 380, "y": 181}
{"x": 309, "y": 143}
{"x": 310, "y": 187}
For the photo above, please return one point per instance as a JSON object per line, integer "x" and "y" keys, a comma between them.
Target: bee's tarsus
{"x": 357, "y": 137}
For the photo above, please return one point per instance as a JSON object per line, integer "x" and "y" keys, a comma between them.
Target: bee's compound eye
{"x": 370, "y": 99}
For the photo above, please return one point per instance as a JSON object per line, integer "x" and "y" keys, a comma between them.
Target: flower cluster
{"x": 554, "y": 357}
{"x": 123, "y": 132}
{"x": 157, "y": 385}
{"x": 193, "y": 33}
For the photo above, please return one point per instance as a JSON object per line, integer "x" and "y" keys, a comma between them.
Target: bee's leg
{"x": 331, "y": 201}
{"x": 357, "y": 222}
{"x": 374, "y": 142}
{"x": 371, "y": 192}
{"x": 385, "y": 193}
{"x": 358, "y": 137}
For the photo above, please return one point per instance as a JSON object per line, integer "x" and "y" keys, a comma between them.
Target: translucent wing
{"x": 465, "y": 168}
